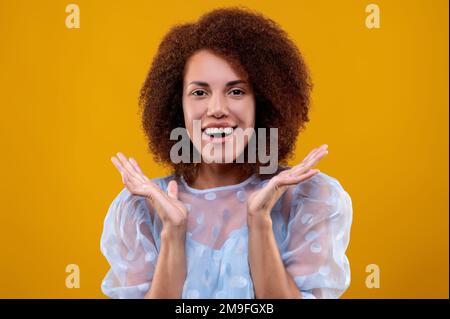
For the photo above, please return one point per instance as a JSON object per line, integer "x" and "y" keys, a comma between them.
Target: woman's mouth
{"x": 217, "y": 134}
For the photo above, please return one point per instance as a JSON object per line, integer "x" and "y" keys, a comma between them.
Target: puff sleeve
{"x": 317, "y": 236}
{"x": 129, "y": 245}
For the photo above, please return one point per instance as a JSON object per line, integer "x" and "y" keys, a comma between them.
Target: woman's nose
{"x": 217, "y": 107}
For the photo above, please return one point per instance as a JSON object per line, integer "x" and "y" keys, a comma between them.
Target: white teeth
{"x": 218, "y": 131}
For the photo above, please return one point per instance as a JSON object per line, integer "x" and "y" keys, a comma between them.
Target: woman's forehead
{"x": 205, "y": 66}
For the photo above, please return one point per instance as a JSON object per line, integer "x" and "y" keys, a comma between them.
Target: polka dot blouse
{"x": 311, "y": 223}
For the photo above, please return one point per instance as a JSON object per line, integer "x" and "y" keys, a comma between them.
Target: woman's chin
{"x": 217, "y": 160}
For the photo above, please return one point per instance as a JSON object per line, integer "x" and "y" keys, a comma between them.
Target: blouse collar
{"x": 219, "y": 188}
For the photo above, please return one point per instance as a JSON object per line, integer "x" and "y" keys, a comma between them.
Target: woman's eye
{"x": 237, "y": 92}
{"x": 198, "y": 93}
{"x": 234, "y": 92}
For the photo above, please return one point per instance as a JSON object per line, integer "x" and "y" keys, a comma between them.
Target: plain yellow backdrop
{"x": 69, "y": 101}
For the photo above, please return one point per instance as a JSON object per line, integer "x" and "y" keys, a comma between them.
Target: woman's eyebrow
{"x": 230, "y": 83}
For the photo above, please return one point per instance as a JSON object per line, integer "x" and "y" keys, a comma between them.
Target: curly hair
{"x": 251, "y": 43}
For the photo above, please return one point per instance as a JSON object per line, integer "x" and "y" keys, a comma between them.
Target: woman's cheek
{"x": 244, "y": 110}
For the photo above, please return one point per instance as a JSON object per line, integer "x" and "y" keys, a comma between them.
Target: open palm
{"x": 261, "y": 201}
{"x": 169, "y": 208}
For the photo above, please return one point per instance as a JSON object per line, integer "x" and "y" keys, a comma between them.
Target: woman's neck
{"x": 216, "y": 175}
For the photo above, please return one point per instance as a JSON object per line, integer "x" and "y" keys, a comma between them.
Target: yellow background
{"x": 69, "y": 101}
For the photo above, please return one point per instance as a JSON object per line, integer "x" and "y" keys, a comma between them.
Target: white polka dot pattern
{"x": 311, "y": 233}
{"x": 210, "y": 196}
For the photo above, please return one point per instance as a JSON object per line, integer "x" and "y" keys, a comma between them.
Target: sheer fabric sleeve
{"x": 129, "y": 245}
{"x": 317, "y": 236}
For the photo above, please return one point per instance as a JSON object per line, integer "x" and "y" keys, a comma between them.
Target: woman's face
{"x": 222, "y": 99}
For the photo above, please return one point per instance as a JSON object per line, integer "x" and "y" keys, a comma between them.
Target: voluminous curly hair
{"x": 251, "y": 43}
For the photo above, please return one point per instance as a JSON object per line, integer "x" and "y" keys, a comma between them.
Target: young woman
{"x": 222, "y": 229}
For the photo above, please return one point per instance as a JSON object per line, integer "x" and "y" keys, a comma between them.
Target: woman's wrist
{"x": 173, "y": 234}
{"x": 261, "y": 220}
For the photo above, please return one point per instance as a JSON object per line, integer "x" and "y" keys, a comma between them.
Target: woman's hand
{"x": 171, "y": 211}
{"x": 260, "y": 203}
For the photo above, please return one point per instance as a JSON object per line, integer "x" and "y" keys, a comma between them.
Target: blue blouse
{"x": 311, "y": 224}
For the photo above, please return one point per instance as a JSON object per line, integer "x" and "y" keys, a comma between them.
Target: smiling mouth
{"x": 219, "y": 132}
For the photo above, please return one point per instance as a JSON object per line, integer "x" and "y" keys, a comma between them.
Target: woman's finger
{"x": 117, "y": 164}
{"x": 299, "y": 168}
{"x": 121, "y": 169}
{"x": 134, "y": 185}
{"x": 163, "y": 202}
{"x": 315, "y": 153}
{"x": 309, "y": 174}
{"x": 126, "y": 164}
{"x": 130, "y": 169}
{"x": 135, "y": 165}
{"x": 305, "y": 167}
{"x": 295, "y": 179}
{"x": 172, "y": 189}
{"x": 124, "y": 178}
{"x": 312, "y": 161}
{"x": 305, "y": 164}
{"x": 311, "y": 154}
{"x": 137, "y": 168}
{"x": 154, "y": 193}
